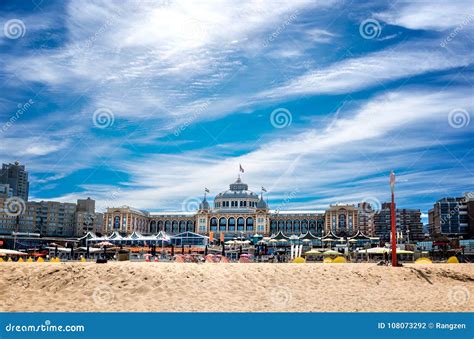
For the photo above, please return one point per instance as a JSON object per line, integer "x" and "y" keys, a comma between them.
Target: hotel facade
{"x": 237, "y": 211}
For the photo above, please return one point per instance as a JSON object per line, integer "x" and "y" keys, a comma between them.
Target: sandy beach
{"x": 162, "y": 287}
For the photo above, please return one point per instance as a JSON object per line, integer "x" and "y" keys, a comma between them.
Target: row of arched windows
{"x": 232, "y": 224}
{"x": 297, "y": 226}
{"x": 172, "y": 226}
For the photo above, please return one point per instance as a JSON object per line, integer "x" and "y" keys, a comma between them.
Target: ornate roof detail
{"x": 262, "y": 205}
{"x": 204, "y": 205}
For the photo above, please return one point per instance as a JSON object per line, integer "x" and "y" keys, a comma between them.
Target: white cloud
{"x": 370, "y": 70}
{"x": 437, "y": 15}
{"x": 320, "y": 163}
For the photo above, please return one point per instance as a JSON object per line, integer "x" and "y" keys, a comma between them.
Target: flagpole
{"x": 394, "y": 236}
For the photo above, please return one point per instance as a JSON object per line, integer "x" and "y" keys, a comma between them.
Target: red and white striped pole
{"x": 393, "y": 221}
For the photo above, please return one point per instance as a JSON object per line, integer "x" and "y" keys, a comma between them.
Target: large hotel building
{"x": 239, "y": 211}
{"x": 234, "y": 212}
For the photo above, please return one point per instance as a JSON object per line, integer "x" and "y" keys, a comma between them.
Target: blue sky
{"x": 145, "y": 103}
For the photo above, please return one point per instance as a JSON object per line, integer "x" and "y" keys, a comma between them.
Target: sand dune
{"x": 161, "y": 287}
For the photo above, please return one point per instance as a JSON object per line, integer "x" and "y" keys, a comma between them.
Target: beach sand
{"x": 172, "y": 287}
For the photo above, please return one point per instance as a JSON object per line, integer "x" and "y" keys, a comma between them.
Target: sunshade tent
{"x": 331, "y": 252}
{"x": 377, "y": 250}
{"x": 4, "y": 252}
{"x": 312, "y": 252}
{"x": 403, "y": 251}
{"x": 104, "y": 244}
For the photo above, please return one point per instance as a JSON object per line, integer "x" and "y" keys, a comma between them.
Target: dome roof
{"x": 262, "y": 205}
{"x": 237, "y": 190}
{"x": 204, "y": 205}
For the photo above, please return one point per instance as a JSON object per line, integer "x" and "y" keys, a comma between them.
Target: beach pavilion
{"x": 138, "y": 239}
{"x": 310, "y": 239}
{"x": 331, "y": 238}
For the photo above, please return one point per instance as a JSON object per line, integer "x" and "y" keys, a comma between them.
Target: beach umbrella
{"x": 56, "y": 251}
{"x": 377, "y": 250}
{"x": 4, "y": 252}
{"x": 312, "y": 252}
{"x": 87, "y": 251}
{"x": 72, "y": 251}
{"x": 104, "y": 244}
{"x": 331, "y": 252}
{"x": 223, "y": 250}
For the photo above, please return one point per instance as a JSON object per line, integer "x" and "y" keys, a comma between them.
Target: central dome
{"x": 237, "y": 196}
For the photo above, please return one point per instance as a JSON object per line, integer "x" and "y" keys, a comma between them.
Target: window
{"x": 250, "y": 223}
{"x": 240, "y": 224}
{"x": 213, "y": 224}
{"x": 222, "y": 224}
{"x": 231, "y": 224}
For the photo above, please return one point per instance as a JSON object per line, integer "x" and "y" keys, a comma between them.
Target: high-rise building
{"x": 452, "y": 217}
{"x": 366, "y": 218}
{"x": 54, "y": 219}
{"x": 87, "y": 220}
{"x": 408, "y": 223}
{"x": 16, "y": 177}
{"x": 5, "y": 191}
{"x": 86, "y": 205}
{"x": 16, "y": 216}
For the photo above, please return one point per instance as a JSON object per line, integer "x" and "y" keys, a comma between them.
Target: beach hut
{"x": 280, "y": 237}
{"x": 309, "y": 238}
{"x": 330, "y": 238}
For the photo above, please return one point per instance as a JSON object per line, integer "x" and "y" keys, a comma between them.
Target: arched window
{"x": 320, "y": 228}
{"x": 232, "y": 224}
{"x": 342, "y": 222}
{"x": 240, "y": 224}
{"x": 312, "y": 226}
{"x": 304, "y": 226}
{"x": 273, "y": 227}
{"x": 222, "y": 224}
{"x": 153, "y": 226}
{"x": 116, "y": 222}
{"x": 190, "y": 226}
{"x": 168, "y": 226}
{"x": 296, "y": 227}
{"x": 213, "y": 224}
{"x": 281, "y": 225}
{"x": 182, "y": 226}
{"x": 288, "y": 226}
{"x": 249, "y": 225}
{"x": 174, "y": 227}
{"x": 160, "y": 226}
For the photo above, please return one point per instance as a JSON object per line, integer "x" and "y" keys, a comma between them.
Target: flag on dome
{"x": 264, "y": 189}
{"x": 241, "y": 169}
{"x": 207, "y": 190}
